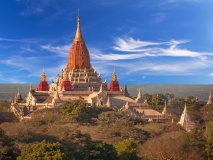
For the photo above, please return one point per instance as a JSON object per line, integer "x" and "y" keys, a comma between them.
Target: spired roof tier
{"x": 79, "y": 55}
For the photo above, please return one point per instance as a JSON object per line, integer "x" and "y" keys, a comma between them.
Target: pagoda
{"x": 185, "y": 121}
{"x": 210, "y": 98}
{"x": 80, "y": 73}
{"x": 65, "y": 85}
{"x": 114, "y": 85}
{"x": 43, "y": 85}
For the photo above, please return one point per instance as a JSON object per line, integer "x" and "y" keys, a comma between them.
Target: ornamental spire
{"x": 43, "y": 76}
{"x": 165, "y": 108}
{"x": 78, "y": 35}
{"x": 79, "y": 55}
{"x": 114, "y": 76}
{"x": 210, "y": 98}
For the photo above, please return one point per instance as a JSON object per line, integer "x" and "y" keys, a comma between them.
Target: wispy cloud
{"x": 159, "y": 18}
{"x": 12, "y": 40}
{"x": 61, "y": 51}
{"x": 130, "y": 44}
{"x": 144, "y": 48}
{"x": 179, "y": 1}
{"x": 137, "y": 51}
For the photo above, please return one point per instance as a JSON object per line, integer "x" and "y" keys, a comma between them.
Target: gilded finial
{"x": 43, "y": 76}
{"x": 65, "y": 77}
{"x": 114, "y": 76}
{"x": 78, "y": 35}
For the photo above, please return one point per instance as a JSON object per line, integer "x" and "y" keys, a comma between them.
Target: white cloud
{"x": 180, "y": 1}
{"x": 144, "y": 48}
{"x": 21, "y": 63}
{"x": 61, "y": 51}
{"x": 12, "y": 40}
{"x": 130, "y": 44}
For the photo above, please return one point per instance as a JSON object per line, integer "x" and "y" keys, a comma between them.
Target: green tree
{"x": 75, "y": 110}
{"x": 126, "y": 150}
{"x": 43, "y": 150}
{"x": 209, "y": 140}
{"x": 99, "y": 150}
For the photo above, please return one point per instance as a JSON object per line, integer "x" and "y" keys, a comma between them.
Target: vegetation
{"x": 100, "y": 150}
{"x": 77, "y": 111}
{"x": 75, "y": 131}
{"x": 209, "y": 140}
{"x": 43, "y": 150}
{"x": 126, "y": 150}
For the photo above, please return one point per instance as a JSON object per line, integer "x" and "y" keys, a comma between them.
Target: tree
{"x": 75, "y": 110}
{"x": 43, "y": 150}
{"x": 78, "y": 111}
{"x": 126, "y": 150}
{"x": 173, "y": 145}
{"x": 99, "y": 150}
{"x": 209, "y": 140}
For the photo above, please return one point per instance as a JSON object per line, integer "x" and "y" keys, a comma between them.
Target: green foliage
{"x": 126, "y": 150}
{"x": 43, "y": 150}
{"x": 209, "y": 138}
{"x": 209, "y": 150}
{"x": 115, "y": 126}
{"x": 156, "y": 101}
{"x": 209, "y": 132}
{"x": 77, "y": 111}
{"x": 74, "y": 110}
{"x": 99, "y": 150}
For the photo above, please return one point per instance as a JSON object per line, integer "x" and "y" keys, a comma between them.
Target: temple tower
{"x": 65, "y": 85}
{"x": 165, "y": 109}
{"x": 80, "y": 73}
{"x": 185, "y": 121}
{"x": 18, "y": 98}
{"x": 79, "y": 56}
{"x": 43, "y": 85}
{"x": 210, "y": 98}
{"x": 114, "y": 85}
{"x": 139, "y": 98}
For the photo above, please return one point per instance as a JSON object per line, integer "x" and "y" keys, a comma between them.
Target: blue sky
{"x": 148, "y": 41}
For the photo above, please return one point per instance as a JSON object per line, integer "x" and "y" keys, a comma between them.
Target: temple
{"x": 43, "y": 85}
{"x": 185, "y": 121}
{"x": 210, "y": 98}
{"x": 114, "y": 85}
{"x": 80, "y": 79}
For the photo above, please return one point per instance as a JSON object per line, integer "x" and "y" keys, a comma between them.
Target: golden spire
{"x": 114, "y": 76}
{"x": 65, "y": 77}
{"x": 43, "y": 76}
{"x": 78, "y": 35}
